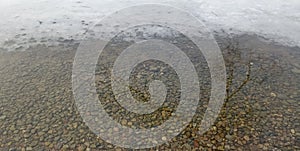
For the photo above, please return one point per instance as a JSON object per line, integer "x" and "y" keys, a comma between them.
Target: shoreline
{"x": 27, "y": 43}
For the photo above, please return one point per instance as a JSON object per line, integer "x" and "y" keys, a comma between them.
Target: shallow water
{"x": 38, "y": 109}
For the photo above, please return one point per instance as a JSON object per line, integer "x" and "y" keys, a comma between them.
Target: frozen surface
{"x": 26, "y": 22}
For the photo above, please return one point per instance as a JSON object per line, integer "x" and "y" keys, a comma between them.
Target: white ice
{"x": 278, "y": 20}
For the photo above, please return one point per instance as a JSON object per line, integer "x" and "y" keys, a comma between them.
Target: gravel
{"x": 38, "y": 111}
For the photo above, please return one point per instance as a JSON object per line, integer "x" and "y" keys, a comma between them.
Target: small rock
{"x": 116, "y": 129}
{"x": 17, "y": 138}
{"x": 87, "y": 144}
{"x": 93, "y": 146}
{"x": 246, "y": 138}
{"x": 75, "y": 125}
{"x": 273, "y": 94}
{"x": 292, "y": 101}
{"x": 229, "y": 137}
{"x": 221, "y": 148}
{"x": 47, "y": 143}
{"x": 295, "y": 70}
{"x": 26, "y": 135}
{"x": 214, "y": 128}
{"x": 124, "y": 122}
{"x": 293, "y": 131}
{"x": 65, "y": 146}
{"x": 81, "y": 148}
{"x": 41, "y": 133}
{"x": 12, "y": 128}
{"x": 163, "y": 113}
{"x": 2, "y": 117}
{"x": 34, "y": 143}
{"x": 265, "y": 148}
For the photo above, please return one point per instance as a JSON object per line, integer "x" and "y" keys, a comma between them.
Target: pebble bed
{"x": 38, "y": 111}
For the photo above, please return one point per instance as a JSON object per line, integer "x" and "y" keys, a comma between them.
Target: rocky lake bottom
{"x": 261, "y": 111}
